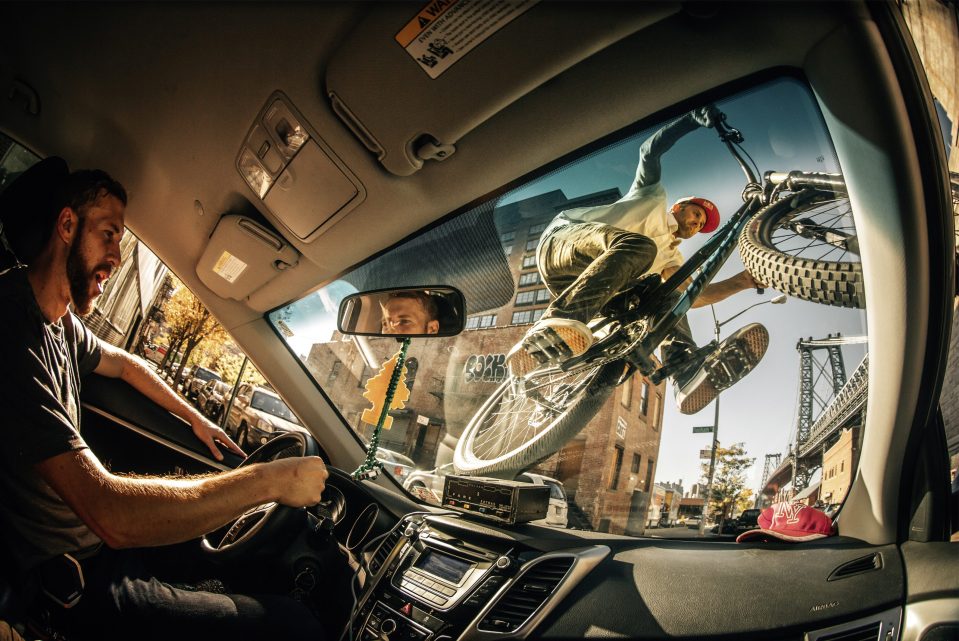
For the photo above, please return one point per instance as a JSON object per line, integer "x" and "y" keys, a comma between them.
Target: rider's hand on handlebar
{"x": 707, "y": 116}
{"x": 746, "y": 281}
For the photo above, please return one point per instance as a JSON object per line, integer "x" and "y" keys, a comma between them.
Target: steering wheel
{"x": 263, "y": 522}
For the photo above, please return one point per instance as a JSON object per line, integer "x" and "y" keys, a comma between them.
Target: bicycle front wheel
{"x": 805, "y": 246}
{"x": 519, "y": 426}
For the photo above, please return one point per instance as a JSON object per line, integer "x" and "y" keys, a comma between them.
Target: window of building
{"x": 634, "y": 468}
{"x": 537, "y": 229}
{"x": 334, "y": 372}
{"x": 617, "y": 467}
{"x": 644, "y": 399}
{"x": 531, "y": 244}
{"x": 538, "y": 313}
{"x": 649, "y": 474}
{"x": 481, "y": 321}
{"x": 507, "y": 249}
{"x": 627, "y": 393}
{"x": 507, "y": 237}
{"x": 542, "y": 295}
{"x": 526, "y": 298}
{"x": 529, "y": 261}
{"x": 522, "y": 317}
{"x": 529, "y": 278}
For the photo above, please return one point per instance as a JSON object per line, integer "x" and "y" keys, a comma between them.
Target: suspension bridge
{"x": 829, "y": 402}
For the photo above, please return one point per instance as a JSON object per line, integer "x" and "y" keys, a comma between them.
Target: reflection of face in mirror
{"x": 410, "y": 313}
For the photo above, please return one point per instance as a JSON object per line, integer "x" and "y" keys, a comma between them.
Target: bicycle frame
{"x": 703, "y": 266}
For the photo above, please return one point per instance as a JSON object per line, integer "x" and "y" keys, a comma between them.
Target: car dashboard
{"x": 427, "y": 582}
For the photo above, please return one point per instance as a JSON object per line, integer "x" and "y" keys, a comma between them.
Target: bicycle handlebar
{"x": 731, "y": 137}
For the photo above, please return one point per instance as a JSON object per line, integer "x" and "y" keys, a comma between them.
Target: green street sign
{"x": 703, "y": 429}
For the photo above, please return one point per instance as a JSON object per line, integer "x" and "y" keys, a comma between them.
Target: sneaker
{"x": 724, "y": 366}
{"x": 549, "y": 341}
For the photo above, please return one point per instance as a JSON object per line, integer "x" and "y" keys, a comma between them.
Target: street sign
{"x": 705, "y": 453}
{"x": 703, "y": 429}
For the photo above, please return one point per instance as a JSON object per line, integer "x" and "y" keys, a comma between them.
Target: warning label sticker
{"x": 229, "y": 267}
{"x": 446, "y": 30}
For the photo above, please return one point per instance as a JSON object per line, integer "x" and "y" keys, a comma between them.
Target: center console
{"x": 429, "y": 585}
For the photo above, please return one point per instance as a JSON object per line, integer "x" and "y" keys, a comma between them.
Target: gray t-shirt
{"x": 42, "y": 364}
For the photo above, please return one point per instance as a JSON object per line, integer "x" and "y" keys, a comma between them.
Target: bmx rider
{"x": 589, "y": 254}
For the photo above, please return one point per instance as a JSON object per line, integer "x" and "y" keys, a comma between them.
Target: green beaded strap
{"x": 371, "y": 466}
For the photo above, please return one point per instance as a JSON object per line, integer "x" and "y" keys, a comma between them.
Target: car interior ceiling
{"x": 168, "y": 117}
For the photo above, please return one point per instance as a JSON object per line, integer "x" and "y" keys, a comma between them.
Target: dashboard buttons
{"x": 503, "y": 562}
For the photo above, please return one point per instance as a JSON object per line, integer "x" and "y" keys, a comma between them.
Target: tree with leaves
{"x": 729, "y": 492}
{"x": 189, "y": 323}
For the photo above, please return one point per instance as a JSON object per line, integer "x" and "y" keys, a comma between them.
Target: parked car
{"x": 557, "y": 512}
{"x": 154, "y": 352}
{"x": 693, "y": 521}
{"x": 281, "y": 156}
{"x": 395, "y": 463}
{"x": 748, "y": 520}
{"x": 257, "y": 415}
{"x": 212, "y": 399}
{"x": 199, "y": 377}
{"x": 729, "y": 526}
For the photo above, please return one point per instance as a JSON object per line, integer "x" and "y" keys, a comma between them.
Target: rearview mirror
{"x": 406, "y": 312}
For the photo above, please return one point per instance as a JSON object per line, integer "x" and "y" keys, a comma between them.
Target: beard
{"x": 80, "y": 278}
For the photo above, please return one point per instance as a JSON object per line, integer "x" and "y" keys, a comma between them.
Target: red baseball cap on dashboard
{"x": 790, "y": 521}
{"x": 712, "y": 212}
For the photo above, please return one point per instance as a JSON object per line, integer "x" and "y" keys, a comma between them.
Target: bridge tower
{"x": 772, "y": 462}
{"x": 811, "y": 372}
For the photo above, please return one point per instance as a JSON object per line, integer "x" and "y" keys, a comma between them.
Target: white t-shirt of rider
{"x": 643, "y": 211}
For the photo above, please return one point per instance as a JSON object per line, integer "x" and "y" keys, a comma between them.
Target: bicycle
{"x": 783, "y": 217}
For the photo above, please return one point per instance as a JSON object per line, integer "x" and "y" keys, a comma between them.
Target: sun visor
{"x": 242, "y": 256}
{"x": 411, "y": 80}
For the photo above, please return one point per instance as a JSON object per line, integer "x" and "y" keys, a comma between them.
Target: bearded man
{"x": 61, "y": 507}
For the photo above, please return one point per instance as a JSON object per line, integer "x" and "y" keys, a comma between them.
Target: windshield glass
{"x": 272, "y": 405}
{"x": 634, "y": 454}
{"x": 205, "y": 375}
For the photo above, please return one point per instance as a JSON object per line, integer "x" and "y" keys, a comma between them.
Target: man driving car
{"x": 62, "y": 507}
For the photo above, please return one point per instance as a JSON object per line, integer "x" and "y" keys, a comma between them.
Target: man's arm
{"x": 715, "y": 292}
{"x": 116, "y": 363}
{"x": 649, "y": 170}
{"x": 137, "y": 512}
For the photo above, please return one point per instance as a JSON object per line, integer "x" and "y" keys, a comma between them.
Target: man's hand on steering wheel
{"x": 301, "y": 480}
{"x": 210, "y": 435}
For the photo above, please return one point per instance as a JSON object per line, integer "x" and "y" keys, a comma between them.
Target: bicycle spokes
{"x": 825, "y": 232}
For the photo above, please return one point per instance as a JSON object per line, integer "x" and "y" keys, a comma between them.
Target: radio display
{"x": 443, "y": 566}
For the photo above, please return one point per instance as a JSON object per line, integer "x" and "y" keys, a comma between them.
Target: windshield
{"x": 272, "y": 405}
{"x": 205, "y": 375}
{"x": 635, "y": 455}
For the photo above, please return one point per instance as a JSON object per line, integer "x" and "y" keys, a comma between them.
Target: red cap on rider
{"x": 712, "y": 212}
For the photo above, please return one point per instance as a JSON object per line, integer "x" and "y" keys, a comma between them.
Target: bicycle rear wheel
{"x": 805, "y": 245}
{"x": 515, "y": 427}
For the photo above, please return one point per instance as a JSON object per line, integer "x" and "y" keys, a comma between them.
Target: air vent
{"x": 856, "y": 566}
{"x": 527, "y": 594}
{"x": 383, "y": 552}
{"x": 868, "y": 632}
